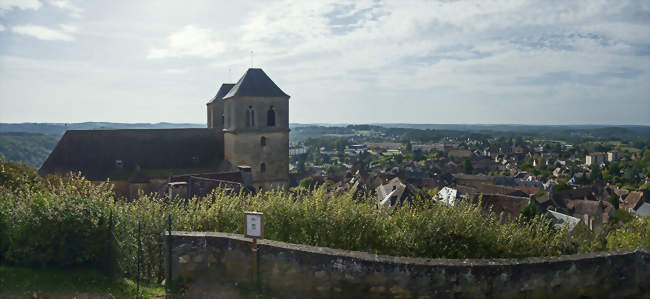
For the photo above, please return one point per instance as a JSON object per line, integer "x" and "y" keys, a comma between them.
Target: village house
{"x": 638, "y": 203}
{"x": 595, "y": 159}
{"x": 613, "y": 156}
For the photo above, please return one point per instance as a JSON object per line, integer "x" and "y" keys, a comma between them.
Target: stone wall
{"x": 219, "y": 265}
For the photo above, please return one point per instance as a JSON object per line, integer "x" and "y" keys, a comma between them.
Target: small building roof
{"x": 255, "y": 83}
{"x": 643, "y": 210}
{"x": 223, "y": 90}
{"x": 560, "y": 220}
{"x": 633, "y": 200}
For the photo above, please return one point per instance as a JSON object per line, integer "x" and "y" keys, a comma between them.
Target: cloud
{"x": 2, "y": 28}
{"x": 480, "y": 61}
{"x": 45, "y": 33}
{"x": 68, "y": 28}
{"x": 7, "y": 5}
{"x": 68, "y": 6}
{"x": 192, "y": 41}
{"x": 176, "y": 71}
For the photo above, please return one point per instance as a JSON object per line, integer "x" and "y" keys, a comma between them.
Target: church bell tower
{"x": 256, "y": 129}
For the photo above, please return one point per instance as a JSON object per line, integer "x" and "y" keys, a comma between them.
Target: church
{"x": 245, "y": 145}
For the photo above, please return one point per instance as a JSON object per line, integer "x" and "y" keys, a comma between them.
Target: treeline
{"x": 31, "y": 149}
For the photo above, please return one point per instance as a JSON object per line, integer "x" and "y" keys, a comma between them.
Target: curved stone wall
{"x": 229, "y": 265}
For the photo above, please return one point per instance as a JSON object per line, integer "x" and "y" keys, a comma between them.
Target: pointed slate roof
{"x": 255, "y": 83}
{"x": 223, "y": 90}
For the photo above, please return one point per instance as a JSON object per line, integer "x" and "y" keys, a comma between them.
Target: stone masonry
{"x": 219, "y": 265}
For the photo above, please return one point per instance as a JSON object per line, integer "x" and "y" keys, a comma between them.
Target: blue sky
{"x": 528, "y": 62}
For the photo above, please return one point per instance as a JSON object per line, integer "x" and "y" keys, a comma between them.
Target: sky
{"x": 506, "y": 62}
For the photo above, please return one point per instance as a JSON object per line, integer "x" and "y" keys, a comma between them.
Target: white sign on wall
{"x": 254, "y": 224}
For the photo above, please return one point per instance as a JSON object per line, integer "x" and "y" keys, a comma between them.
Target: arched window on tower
{"x": 270, "y": 117}
{"x": 223, "y": 120}
{"x": 250, "y": 117}
{"x": 263, "y": 167}
{"x": 263, "y": 141}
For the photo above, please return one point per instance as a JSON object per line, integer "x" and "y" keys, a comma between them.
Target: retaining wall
{"x": 219, "y": 265}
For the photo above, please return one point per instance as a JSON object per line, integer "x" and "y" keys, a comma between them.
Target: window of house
{"x": 263, "y": 167}
{"x": 263, "y": 141}
{"x": 270, "y": 117}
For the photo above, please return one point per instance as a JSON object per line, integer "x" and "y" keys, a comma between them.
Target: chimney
{"x": 246, "y": 175}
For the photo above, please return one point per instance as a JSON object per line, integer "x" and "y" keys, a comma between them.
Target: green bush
{"x": 632, "y": 235}
{"x": 63, "y": 227}
{"x": 19, "y": 177}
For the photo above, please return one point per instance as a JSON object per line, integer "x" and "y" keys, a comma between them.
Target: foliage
{"x": 613, "y": 199}
{"x": 622, "y": 216}
{"x": 561, "y": 187}
{"x": 19, "y": 177}
{"x": 632, "y": 235}
{"x": 467, "y": 167}
{"x": 29, "y": 148}
{"x": 529, "y": 212}
{"x": 63, "y": 227}
{"x": 306, "y": 183}
{"x": 65, "y": 223}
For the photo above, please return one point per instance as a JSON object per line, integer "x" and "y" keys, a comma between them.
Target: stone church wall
{"x": 243, "y": 143}
{"x": 244, "y": 148}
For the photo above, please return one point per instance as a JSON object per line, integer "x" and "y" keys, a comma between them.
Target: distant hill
{"x": 597, "y": 130}
{"x": 60, "y": 128}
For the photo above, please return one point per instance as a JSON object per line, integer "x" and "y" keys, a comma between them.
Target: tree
{"x": 409, "y": 147}
{"x": 467, "y": 167}
{"x": 595, "y": 173}
{"x": 561, "y": 186}
{"x": 306, "y": 183}
{"x": 399, "y": 158}
{"x": 300, "y": 164}
{"x": 613, "y": 199}
{"x": 340, "y": 145}
{"x": 418, "y": 155}
{"x": 529, "y": 212}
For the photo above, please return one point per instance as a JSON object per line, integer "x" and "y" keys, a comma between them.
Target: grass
{"x": 68, "y": 283}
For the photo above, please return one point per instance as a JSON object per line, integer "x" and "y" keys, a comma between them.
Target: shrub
{"x": 64, "y": 227}
{"x": 19, "y": 177}
{"x": 632, "y": 235}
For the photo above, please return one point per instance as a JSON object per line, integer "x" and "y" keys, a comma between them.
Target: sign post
{"x": 254, "y": 225}
{"x": 254, "y": 228}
